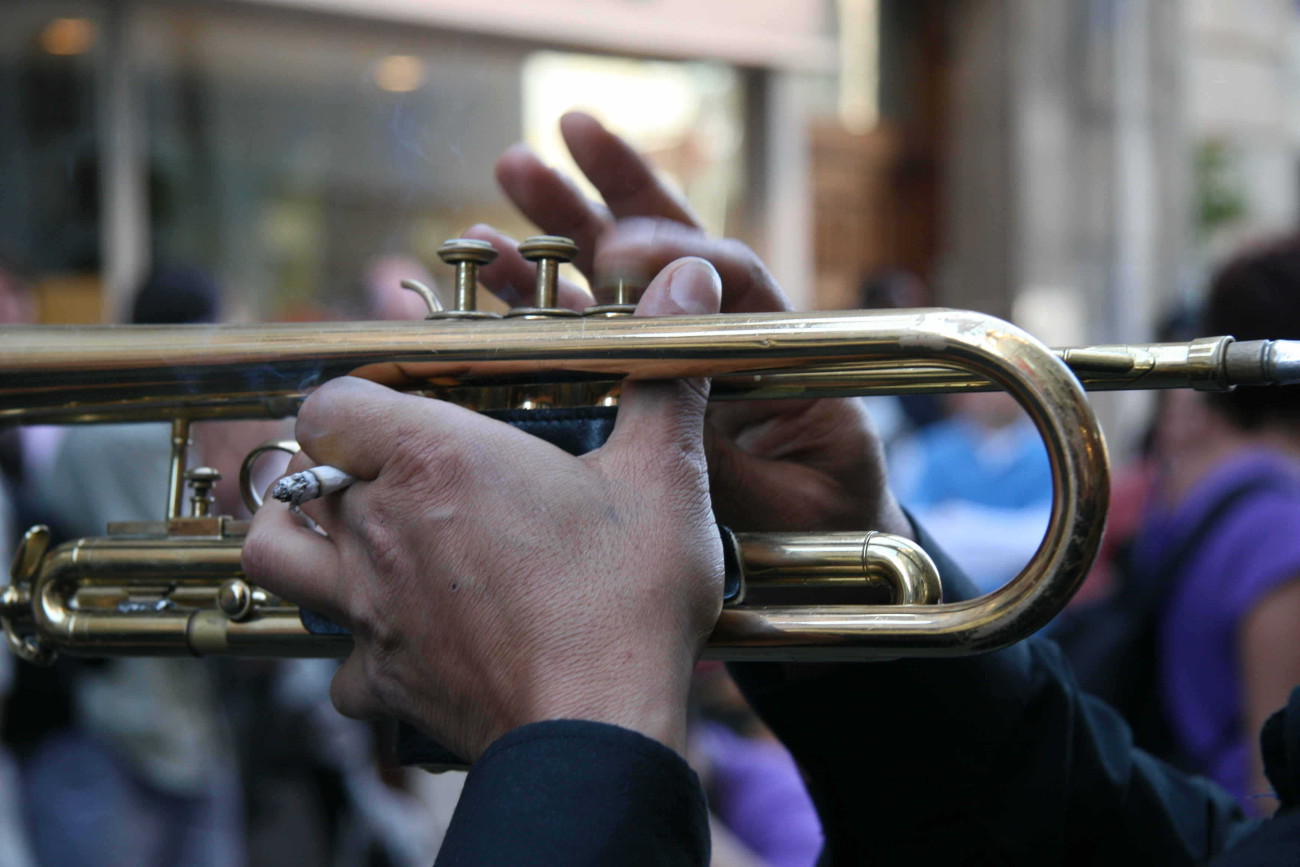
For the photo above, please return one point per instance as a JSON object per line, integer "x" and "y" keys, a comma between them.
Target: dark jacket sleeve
{"x": 995, "y": 759}
{"x": 578, "y": 793}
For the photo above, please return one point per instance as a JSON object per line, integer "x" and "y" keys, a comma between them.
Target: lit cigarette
{"x": 311, "y": 484}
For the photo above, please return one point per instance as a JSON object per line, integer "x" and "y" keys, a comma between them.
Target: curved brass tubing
{"x": 1056, "y": 403}
{"x": 182, "y": 594}
{"x": 158, "y": 597}
{"x": 879, "y": 566}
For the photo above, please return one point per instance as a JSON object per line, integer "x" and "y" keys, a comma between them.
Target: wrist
{"x": 645, "y": 694}
{"x": 653, "y": 704}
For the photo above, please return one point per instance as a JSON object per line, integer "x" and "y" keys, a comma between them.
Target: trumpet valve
{"x": 549, "y": 252}
{"x": 618, "y": 297}
{"x": 467, "y": 255}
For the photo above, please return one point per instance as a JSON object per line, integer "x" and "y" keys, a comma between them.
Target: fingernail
{"x": 695, "y": 288}
{"x": 523, "y": 149}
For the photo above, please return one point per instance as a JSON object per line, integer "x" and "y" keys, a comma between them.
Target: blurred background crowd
{"x": 1081, "y": 168}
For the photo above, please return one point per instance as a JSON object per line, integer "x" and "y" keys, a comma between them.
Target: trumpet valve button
{"x": 455, "y": 251}
{"x": 539, "y": 248}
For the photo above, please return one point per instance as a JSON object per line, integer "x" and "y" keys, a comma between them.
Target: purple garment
{"x": 1254, "y": 549}
{"x": 758, "y": 793}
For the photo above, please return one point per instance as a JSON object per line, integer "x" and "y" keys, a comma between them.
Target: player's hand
{"x": 791, "y": 465}
{"x": 490, "y": 579}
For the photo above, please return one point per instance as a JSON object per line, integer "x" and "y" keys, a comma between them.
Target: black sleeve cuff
{"x": 578, "y": 793}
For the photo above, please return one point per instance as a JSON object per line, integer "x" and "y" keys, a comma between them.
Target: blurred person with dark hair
{"x": 177, "y": 296}
{"x": 1229, "y": 636}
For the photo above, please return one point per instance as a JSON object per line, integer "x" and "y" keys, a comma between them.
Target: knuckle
{"x": 748, "y": 263}
{"x": 738, "y": 249}
{"x": 322, "y": 404}
{"x": 414, "y": 450}
{"x": 415, "y": 453}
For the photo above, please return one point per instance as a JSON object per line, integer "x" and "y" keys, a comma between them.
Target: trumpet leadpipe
{"x": 1205, "y": 364}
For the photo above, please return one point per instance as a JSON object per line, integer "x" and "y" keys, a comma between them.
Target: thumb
{"x": 671, "y": 411}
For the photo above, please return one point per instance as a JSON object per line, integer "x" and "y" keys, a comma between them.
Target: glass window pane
{"x": 286, "y": 153}
{"x": 49, "y": 172}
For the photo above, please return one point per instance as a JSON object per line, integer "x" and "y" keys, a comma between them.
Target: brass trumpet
{"x": 174, "y": 586}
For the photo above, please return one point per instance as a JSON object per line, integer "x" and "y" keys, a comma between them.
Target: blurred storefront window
{"x": 686, "y": 116}
{"x": 50, "y": 144}
{"x": 283, "y": 152}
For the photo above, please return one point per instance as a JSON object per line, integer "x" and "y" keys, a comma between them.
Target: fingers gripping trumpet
{"x": 175, "y": 587}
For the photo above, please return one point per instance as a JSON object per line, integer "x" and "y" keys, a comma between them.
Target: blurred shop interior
{"x": 1072, "y": 166}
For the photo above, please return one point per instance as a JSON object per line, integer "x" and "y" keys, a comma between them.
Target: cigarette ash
{"x": 297, "y": 488}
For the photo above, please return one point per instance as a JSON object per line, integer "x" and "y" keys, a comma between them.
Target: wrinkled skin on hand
{"x": 775, "y": 465}
{"x": 490, "y": 579}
